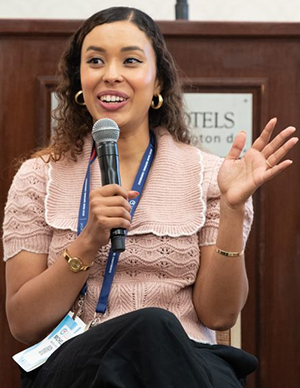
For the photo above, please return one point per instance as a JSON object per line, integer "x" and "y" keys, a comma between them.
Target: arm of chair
{"x": 223, "y": 337}
{"x": 232, "y": 336}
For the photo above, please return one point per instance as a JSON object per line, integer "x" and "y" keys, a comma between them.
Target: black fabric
{"x": 147, "y": 348}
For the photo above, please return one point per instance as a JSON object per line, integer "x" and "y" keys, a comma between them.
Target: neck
{"x": 132, "y": 146}
{"x": 131, "y": 149}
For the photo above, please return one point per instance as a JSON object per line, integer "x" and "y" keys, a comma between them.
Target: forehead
{"x": 121, "y": 33}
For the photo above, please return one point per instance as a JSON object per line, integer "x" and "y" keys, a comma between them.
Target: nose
{"x": 112, "y": 73}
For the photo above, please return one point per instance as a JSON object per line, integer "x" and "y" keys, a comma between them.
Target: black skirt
{"x": 147, "y": 348}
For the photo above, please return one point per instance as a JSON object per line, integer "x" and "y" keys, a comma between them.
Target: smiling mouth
{"x": 112, "y": 99}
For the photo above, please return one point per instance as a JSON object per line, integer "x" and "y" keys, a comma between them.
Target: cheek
{"x": 146, "y": 80}
{"x": 87, "y": 78}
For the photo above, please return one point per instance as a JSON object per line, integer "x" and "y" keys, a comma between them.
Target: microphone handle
{"x": 108, "y": 157}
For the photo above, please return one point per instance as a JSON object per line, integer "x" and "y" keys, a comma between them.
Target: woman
{"x": 182, "y": 275}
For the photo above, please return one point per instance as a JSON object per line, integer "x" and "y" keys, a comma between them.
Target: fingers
{"x": 263, "y": 144}
{"x": 274, "y": 151}
{"x": 276, "y": 169}
{"x": 110, "y": 191}
{"x": 109, "y": 207}
{"x": 237, "y": 146}
{"x": 273, "y": 155}
{"x": 265, "y": 136}
{"x": 281, "y": 144}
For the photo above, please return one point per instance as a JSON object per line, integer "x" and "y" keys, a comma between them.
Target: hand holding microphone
{"x": 105, "y": 134}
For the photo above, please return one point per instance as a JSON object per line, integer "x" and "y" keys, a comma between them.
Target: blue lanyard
{"x": 83, "y": 214}
{"x": 113, "y": 257}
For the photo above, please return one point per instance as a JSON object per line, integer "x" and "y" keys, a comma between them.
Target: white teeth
{"x": 112, "y": 98}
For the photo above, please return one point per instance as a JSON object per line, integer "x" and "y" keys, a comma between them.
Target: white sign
{"x": 54, "y": 104}
{"x": 216, "y": 118}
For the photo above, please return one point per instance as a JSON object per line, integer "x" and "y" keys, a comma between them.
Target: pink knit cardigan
{"x": 177, "y": 214}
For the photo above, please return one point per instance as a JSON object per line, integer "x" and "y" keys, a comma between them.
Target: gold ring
{"x": 269, "y": 164}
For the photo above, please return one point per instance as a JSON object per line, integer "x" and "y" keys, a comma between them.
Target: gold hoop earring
{"x": 76, "y": 98}
{"x": 159, "y": 103}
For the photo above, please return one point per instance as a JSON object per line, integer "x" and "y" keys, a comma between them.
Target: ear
{"x": 157, "y": 87}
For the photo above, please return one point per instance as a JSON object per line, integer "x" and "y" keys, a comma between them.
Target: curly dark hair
{"x": 74, "y": 122}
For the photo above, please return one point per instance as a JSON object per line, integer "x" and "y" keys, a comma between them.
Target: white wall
{"x": 227, "y": 10}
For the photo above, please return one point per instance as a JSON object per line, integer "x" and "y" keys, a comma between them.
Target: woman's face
{"x": 118, "y": 74}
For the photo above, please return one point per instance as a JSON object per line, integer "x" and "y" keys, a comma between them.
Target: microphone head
{"x": 105, "y": 130}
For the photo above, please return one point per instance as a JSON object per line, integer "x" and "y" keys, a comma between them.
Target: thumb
{"x": 237, "y": 146}
{"x": 132, "y": 194}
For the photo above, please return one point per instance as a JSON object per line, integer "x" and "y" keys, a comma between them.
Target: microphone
{"x": 105, "y": 133}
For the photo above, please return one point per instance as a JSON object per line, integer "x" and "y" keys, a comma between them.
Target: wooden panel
{"x": 270, "y": 321}
{"x": 261, "y": 58}
{"x": 46, "y": 85}
{"x": 24, "y": 58}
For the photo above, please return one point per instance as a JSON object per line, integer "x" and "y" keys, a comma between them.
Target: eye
{"x": 95, "y": 61}
{"x": 132, "y": 61}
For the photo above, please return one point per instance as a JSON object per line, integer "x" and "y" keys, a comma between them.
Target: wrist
{"x": 229, "y": 253}
{"x": 84, "y": 248}
{"x": 229, "y": 209}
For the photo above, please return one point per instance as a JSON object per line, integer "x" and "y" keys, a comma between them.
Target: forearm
{"x": 38, "y": 297}
{"x": 222, "y": 287}
{"x": 42, "y": 301}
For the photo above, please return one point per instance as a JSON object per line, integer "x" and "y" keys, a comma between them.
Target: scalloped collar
{"x": 172, "y": 201}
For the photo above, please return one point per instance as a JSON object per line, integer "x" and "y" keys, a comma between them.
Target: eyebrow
{"x": 131, "y": 48}
{"x": 95, "y": 48}
{"x": 123, "y": 49}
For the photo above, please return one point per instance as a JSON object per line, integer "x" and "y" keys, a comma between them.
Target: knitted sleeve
{"x": 208, "y": 234}
{"x": 24, "y": 226}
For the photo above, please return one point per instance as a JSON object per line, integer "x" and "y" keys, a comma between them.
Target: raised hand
{"x": 239, "y": 177}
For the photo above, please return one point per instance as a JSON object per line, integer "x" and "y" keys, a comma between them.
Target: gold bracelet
{"x": 229, "y": 254}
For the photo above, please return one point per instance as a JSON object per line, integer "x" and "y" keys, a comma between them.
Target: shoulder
{"x": 33, "y": 172}
{"x": 33, "y": 164}
{"x": 172, "y": 149}
{"x": 187, "y": 159}
{"x": 211, "y": 161}
{"x": 165, "y": 140}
